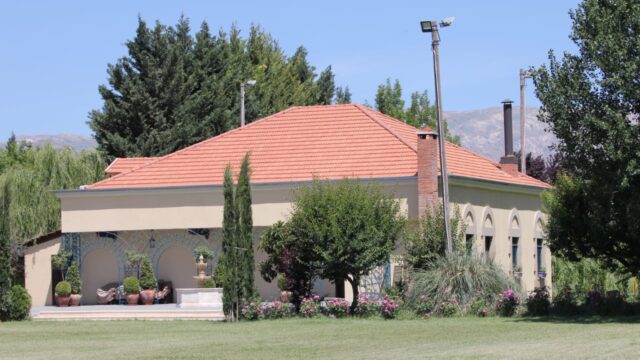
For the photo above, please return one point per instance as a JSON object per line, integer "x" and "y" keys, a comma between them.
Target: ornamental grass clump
{"x": 460, "y": 278}
{"x": 310, "y": 307}
{"x": 337, "y": 308}
{"x": 507, "y": 303}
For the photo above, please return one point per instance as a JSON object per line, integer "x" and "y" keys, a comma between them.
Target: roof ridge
{"x": 193, "y": 146}
{"x": 366, "y": 110}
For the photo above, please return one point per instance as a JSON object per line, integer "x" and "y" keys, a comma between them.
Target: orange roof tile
{"x": 300, "y": 143}
{"x": 121, "y": 165}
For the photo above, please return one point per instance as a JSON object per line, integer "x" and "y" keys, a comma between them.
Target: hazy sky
{"x": 54, "y": 54}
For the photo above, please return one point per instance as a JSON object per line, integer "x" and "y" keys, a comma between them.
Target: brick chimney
{"x": 508, "y": 162}
{"x": 427, "y": 171}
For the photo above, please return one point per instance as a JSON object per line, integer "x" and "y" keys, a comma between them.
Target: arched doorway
{"x": 176, "y": 264}
{"x": 99, "y": 267}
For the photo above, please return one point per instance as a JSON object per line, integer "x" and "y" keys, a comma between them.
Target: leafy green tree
{"x": 245, "y": 231}
{"x": 420, "y": 112}
{"x": 73, "y": 277}
{"x": 231, "y": 284}
{"x": 351, "y": 227}
{"x": 173, "y": 89}
{"x": 147, "y": 277}
{"x": 343, "y": 95}
{"x": 5, "y": 256}
{"x": 427, "y": 242}
{"x": 591, "y": 101}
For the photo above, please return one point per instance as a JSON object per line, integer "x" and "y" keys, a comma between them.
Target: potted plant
{"x": 134, "y": 260}
{"x": 517, "y": 272}
{"x": 285, "y": 295}
{"x": 63, "y": 292}
{"x": 542, "y": 273}
{"x": 132, "y": 289}
{"x": 59, "y": 262}
{"x": 148, "y": 282}
{"x": 73, "y": 276}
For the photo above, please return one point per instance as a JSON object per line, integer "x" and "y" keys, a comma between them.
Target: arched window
{"x": 470, "y": 228}
{"x": 488, "y": 233}
{"x": 514, "y": 239}
{"x": 538, "y": 239}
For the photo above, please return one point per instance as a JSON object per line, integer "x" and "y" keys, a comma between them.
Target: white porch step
{"x": 177, "y": 314}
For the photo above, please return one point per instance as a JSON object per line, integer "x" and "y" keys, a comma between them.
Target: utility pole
{"x": 242, "y": 86}
{"x": 432, "y": 27}
{"x": 524, "y": 74}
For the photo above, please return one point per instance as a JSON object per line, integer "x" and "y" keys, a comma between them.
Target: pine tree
{"x": 245, "y": 231}
{"x": 325, "y": 87}
{"x": 343, "y": 96}
{"x": 389, "y": 99}
{"x": 230, "y": 294}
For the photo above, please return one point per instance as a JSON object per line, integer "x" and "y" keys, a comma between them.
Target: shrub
{"x": 507, "y": 303}
{"x": 63, "y": 288}
{"x": 538, "y": 303}
{"x": 147, "y": 277}
{"x": 449, "y": 308}
{"x": 277, "y": 310}
{"x": 480, "y": 307}
{"x": 337, "y": 307}
{"x": 389, "y": 307}
{"x": 460, "y": 277}
{"x": 309, "y": 307}
{"x": 281, "y": 279}
{"x": 564, "y": 303}
{"x": 208, "y": 284}
{"x": 73, "y": 276}
{"x": 613, "y": 305}
{"x": 204, "y": 251}
{"x": 367, "y": 307}
{"x": 423, "y": 306}
{"x": 251, "y": 311}
{"x": 131, "y": 285}
{"x": 218, "y": 272}
{"x": 59, "y": 262}
{"x": 20, "y": 303}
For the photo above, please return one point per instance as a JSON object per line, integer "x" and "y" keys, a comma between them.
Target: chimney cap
{"x": 507, "y": 101}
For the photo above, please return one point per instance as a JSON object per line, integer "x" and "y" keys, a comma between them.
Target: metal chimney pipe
{"x": 508, "y": 127}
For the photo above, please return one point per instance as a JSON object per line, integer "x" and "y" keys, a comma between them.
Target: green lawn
{"x": 323, "y": 339}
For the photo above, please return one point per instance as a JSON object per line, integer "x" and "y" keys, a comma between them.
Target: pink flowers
{"x": 507, "y": 303}
{"x": 309, "y": 306}
{"x": 389, "y": 307}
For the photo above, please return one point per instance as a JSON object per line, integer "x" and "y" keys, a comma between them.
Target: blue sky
{"x": 54, "y": 54}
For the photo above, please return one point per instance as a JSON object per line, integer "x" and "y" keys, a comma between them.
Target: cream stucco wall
{"x": 37, "y": 271}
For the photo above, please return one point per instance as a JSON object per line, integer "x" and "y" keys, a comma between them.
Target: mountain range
{"x": 480, "y": 131}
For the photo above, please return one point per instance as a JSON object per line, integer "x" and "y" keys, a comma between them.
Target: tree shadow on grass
{"x": 581, "y": 319}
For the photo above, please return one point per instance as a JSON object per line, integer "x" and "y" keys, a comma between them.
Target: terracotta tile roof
{"x": 300, "y": 143}
{"x": 121, "y": 165}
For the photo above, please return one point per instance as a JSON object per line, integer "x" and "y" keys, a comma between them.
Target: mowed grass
{"x": 324, "y": 339}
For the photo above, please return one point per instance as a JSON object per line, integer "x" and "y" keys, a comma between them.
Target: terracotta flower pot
{"x": 147, "y": 296}
{"x": 132, "y": 299}
{"x": 62, "y": 301}
{"x": 75, "y": 299}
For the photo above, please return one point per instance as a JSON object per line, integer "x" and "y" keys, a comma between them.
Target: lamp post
{"x": 432, "y": 27}
{"x": 242, "y": 86}
{"x": 524, "y": 74}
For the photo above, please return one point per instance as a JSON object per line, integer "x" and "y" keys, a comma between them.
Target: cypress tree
{"x": 229, "y": 247}
{"x": 5, "y": 255}
{"x": 245, "y": 231}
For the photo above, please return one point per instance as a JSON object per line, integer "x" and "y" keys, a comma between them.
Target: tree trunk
{"x": 355, "y": 282}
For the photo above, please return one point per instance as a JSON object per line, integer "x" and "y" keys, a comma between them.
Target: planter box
{"x": 199, "y": 297}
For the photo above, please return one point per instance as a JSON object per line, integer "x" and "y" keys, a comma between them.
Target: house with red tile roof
{"x": 166, "y": 206}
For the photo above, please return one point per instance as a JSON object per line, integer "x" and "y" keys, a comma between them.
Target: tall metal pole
{"x": 435, "y": 37}
{"x": 242, "y": 84}
{"x": 524, "y": 74}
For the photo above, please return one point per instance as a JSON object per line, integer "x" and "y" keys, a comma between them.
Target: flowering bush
{"x": 423, "y": 306}
{"x": 389, "y": 307}
{"x": 449, "y": 308}
{"x": 507, "y": 303}
{"x": 337, "y": 307}
{"x": 277, "y": 310}
{"x": 479, "y": 307}
{"x": 251, "y": 311}
{"x": 538, "y": 303}
{"x": 309, "y": 307}
{"x": 367, "y": 307}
